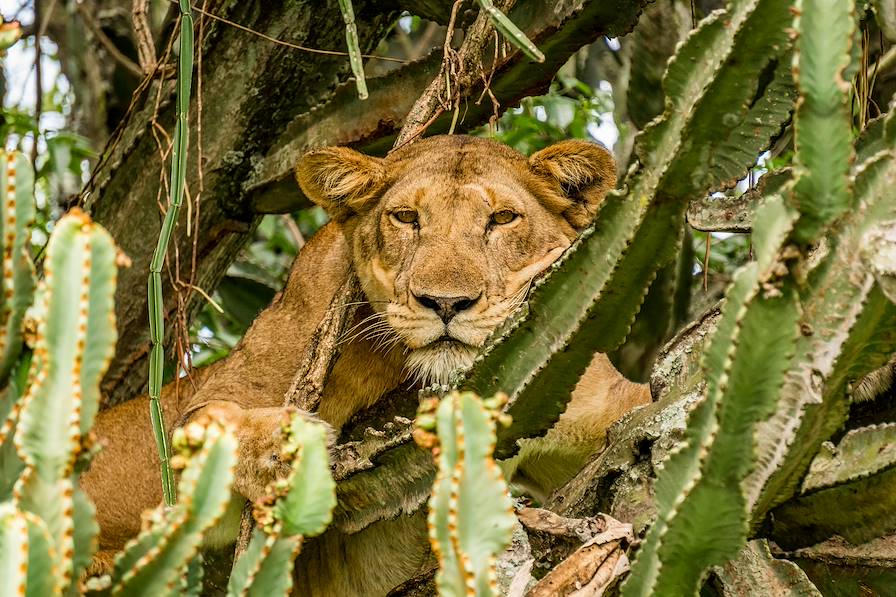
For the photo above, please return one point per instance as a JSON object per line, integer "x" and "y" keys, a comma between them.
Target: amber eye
{"x": 505, "y": 216}
{"x": 405, "y": 216}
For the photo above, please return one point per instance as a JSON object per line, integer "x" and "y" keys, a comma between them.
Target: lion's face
{"x": 447, "y": 234}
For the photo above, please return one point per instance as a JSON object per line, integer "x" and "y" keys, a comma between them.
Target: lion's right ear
{"x": 340, "y": 180}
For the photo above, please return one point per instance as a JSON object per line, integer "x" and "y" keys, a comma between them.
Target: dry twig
{"x": 107, "y": 43}
{"x": 460, "y": 70}
{"x": 146, "y": 50}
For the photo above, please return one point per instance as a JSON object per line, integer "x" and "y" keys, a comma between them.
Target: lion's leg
{"x": 600, "y": 398}
{"x": 123, "y": 479}
{"x": 363, "y": 564}
{"x": 260, "y": 434}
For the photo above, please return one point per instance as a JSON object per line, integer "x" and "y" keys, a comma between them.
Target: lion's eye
{"x": 505, "y": 216}
{"x": 405, "y": 216}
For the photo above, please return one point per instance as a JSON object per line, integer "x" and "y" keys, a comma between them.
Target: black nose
{"x": 446, "y": 307}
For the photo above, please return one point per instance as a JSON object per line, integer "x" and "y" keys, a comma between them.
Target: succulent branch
{"x": 540, "y": 354}
{"x": 796, "y": 327}
{"x": 156, "y": 561}
{"x": 470, "y": 511}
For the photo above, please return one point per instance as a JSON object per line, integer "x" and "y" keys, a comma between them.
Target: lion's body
{"x": 452, "y": 252}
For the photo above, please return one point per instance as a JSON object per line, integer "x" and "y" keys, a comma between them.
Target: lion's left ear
{"x": 585, "y": 172}
{"x": 340, "y": 180}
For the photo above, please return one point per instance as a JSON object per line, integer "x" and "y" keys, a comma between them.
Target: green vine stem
{"x": 354, "y": 50}
{"x": 156, "y": 317}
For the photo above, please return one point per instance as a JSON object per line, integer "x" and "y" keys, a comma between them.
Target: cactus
{"x": 755, "y": 568}
{"x": 48, "y": 525}
{"x": 48, "y": 530}
{"x": 302, "y": 507}
{"x": 470, "y": 512}
{"x": 540, "y": 354}
{"x": 160, "y": 557}
{"x": 16, "y": 214}
{"x": 26, "y": 554}
{"x": 849, "y": 491}
{"x": 75, "y": 339}
{"x": 796, "y": 326}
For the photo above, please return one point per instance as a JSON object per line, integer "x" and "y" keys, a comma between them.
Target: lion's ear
{"x": 339, "y": 179}
{"x": 585, "y": 173}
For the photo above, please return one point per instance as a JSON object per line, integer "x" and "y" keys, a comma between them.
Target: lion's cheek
{"x": 377, "y": 279}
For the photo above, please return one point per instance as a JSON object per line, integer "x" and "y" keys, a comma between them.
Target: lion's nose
{"x": 446, "y": 307}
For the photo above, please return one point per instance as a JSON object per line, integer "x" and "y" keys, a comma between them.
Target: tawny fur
{"x": 454, "y": 250}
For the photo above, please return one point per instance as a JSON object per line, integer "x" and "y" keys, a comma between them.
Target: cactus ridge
{"x": 266, "y": 567}
{"x": 300, "y": 505}
{"x": 264, "y": 544}
{"x": 27, "y": 565}
{"x": 470, "y": 511}
{"x": 813, "y": 402}
{"x": 796, "y": 326}
{"x": 16, "y": 215}
{"x": 758, "y": 325}
{"x": 823, "y": 124}
{"x": 80, "y": 262}
{"x": 48, "y": 437}
{"x": 157, "y": 565}
{"x": 861, "y": 453}
{"x": 848, "y": 492}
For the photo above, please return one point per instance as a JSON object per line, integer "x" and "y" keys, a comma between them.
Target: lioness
{"x": 445, "y": 236}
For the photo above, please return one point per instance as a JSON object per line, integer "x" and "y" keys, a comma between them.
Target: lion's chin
{"x": 434, "y": 363}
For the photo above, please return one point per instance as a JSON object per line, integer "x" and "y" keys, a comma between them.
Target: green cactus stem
{"x": 850, "y": 491}
{"x": 795, "y": 329}
{"x": 16, "y": 269}
{"x": 588, "y": 302}
{"x": 26, "y": 554}
{"x": 823, "y": 121}
{"x": 470, "y": 512}
{"x": 73, "y": 346}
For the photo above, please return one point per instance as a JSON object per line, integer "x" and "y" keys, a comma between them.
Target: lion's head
{"x": 448, "y": 233}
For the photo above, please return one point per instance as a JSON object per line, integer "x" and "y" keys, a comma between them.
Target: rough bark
{"x": 558, "y": 29}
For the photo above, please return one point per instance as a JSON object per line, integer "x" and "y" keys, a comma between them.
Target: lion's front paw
{"x": 260, "y": 435}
